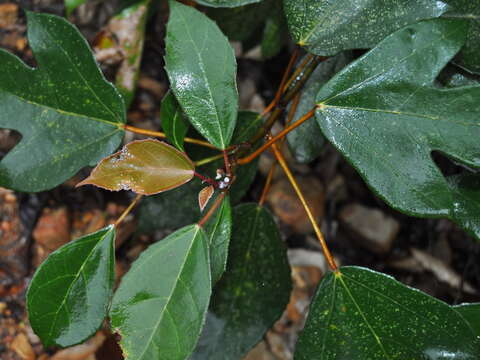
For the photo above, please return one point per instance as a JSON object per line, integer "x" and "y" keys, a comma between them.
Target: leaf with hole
{"x": 160, "y": 305}
{"x": 468, "y": 10}
{"x": 360, "y": 314}
{"x": 68, "y": 114}
{"x": 144, "y": 166}
{"x": 253, "y": 292}
{"x": 326, "y": 27}
{"x": 69, "y": 295}
{"x": 390, "y": 138}
{"x": 201, "y": 66}
{"x": 174, "y": 122}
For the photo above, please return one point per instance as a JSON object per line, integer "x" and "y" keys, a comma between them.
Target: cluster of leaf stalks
{"x": 181, "y": 298}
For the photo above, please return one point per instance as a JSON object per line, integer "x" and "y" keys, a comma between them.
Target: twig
{"x": 210, "y": 211}
{"x": 318, "y": 232}
{"x": 280, "y": 135}
{"x": 128, "y": 209}
{"x": 162, "y": 135}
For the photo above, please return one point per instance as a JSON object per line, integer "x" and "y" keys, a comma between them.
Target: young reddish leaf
{"x": 143, "y": 166}
{"x": 204, "y": 196}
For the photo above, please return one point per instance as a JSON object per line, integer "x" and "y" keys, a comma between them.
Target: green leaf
{"x": 226, "y": 3}
{"x": 471, "y": 314}
{"x": 275, "y": 33}
{"x": 174, "y": 122}
{"x": 466, "y": 192}
{"x": 359, "y": 314}
{"x": 68, "y": 114}
{"x": 160, "y": 306}
{"x": 253, "y": 292}
{"x": 69, "y": 295}
{"x": 468, "y": 10}
{"x": 144, "y": 166}
{"x": 219, "y": 230}
{"x": 71, "y": 5}
{"x": 128, "y": 28}
{"x": 389, "y": 137}
{"x": 240, "y": 23}
{"x": 306, "y": 142}
{"x": 326, "y": 27}
{"x": 201, "y": 66}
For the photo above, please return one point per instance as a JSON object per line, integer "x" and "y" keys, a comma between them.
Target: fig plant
{"x": 212, "y": 288}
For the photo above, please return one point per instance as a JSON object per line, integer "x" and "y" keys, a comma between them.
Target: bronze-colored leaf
{"x": 144, "y": 166}
{"x": 204, "y": 196}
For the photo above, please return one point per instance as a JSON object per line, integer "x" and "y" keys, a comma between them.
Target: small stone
{"x": 83, "y": 351}
{"x": 288, "y": 207}
{"x": 53, "y": 228}
{"x": 376, "y": 230}
{"x": 22, "y": 347}
{"x": 8, "y": 15}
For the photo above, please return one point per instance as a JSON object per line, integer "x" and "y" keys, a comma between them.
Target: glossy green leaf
{"x": 468, "y": 10}
{"x": 68, "y": 114}
{"x": 160, "y": 305}
{"x": 128, "y": 28}
{"x": 71, "y": 5}
{"x": 144, "y": 166}
{"x": 253, "y": 292}
{"x": 201, "y": 66}
{"x": 306, "y": 142}
{"x": 219, "y": 230}
{"x": 226, "y": 3}
{"x": 240, "y": 23}
{"x": 389, "y": 137}
{"x": 174, "y": 122}
{"x": 178, "y": 207}
{"x": 275, "y": 33}
{"x": 326, "y": 27}
{"x": 359, "y": 314}
{"x": 471, "y": 314}
{"x": 69, "y": 295}
{"x": 466, "y": 192}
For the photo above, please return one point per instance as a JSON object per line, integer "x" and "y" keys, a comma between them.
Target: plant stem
{"x": 268, "y": 184}
{"x": 271, "y": 172}
{"x": 128, "y": 209}
{"x": 279, "y": 93}
{"x": 208, "y": 160}
{"x": 162, "y": 135}
{"x": 226, "y": 161}
{"x": 212, "y": 209}
{"x": 301, "y": 79}
{"x": 298, "y": 78}
{"x": 297, "y": 72}
{"x": 206, "y": 179}
{"x": 280, "y": 135}
{"x": 326, "y": 251}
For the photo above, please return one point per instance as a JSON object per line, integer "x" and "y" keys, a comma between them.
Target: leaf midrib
{"x": 169, "y": 297}
{"x": 205, "y": 78}
{"x": 63, "y": 112}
